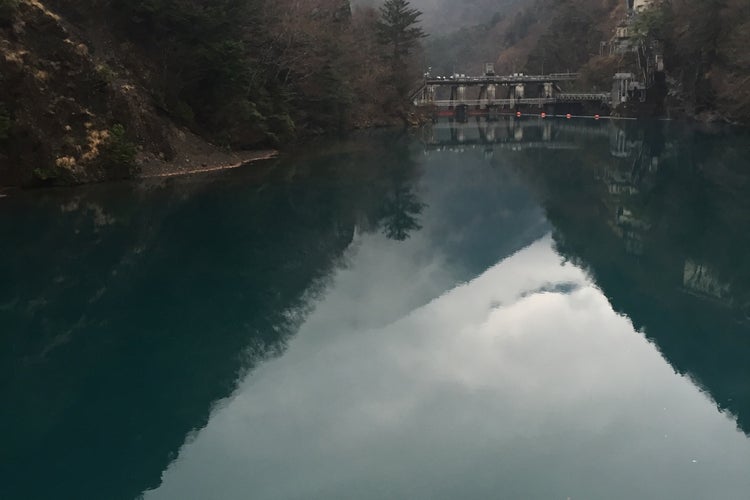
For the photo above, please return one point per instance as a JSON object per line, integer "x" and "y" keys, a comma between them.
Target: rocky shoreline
{"x": 195, "y": 165}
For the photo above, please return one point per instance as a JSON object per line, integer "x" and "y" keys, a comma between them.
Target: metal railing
{"x": 539, "y": 101}
{"x": 442, "y": 103}
{"x": 583, "y": 96}
{"x": 495, "y": 79}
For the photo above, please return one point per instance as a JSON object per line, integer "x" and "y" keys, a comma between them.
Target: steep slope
{"x": 707, "y": 58}
{"x": 80, "y": 103}
{"x": 65, "y": 114}
{"x": 532, "y": 35}
{"x": 707, "y": 65}
{"x": 101, "y": 89}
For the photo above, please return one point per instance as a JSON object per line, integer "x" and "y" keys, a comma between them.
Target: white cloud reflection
{"x": 496, "y": 389}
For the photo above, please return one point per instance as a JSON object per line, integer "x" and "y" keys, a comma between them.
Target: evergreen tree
{"x": 398, "y": 33}
{"x": 398, "y": 29}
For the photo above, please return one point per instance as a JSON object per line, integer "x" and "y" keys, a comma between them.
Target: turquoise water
{"x": 518, "y": 309}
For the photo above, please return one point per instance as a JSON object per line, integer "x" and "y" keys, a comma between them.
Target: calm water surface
{"x": 512, "y": 310}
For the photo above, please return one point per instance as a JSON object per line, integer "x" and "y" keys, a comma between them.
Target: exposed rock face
{"x": 68, "y": 117}
{"x": 94, "y": 90}
{"x": 639, "y": 5}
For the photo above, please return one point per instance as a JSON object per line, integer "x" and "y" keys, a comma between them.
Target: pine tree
{"x": 398, "y": 33}
{"x": 398, "y": 29}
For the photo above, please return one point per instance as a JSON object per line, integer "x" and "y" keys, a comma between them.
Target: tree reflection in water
{"x": 401, "y": 207}
{"x": 656, "y": 221}
{"x": 401, "y": 212}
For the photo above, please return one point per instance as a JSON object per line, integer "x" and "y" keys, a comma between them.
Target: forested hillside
{"x": 707, "y": 64}
{"x": 96, "y": 89}
{"x": 91, "y": 89}
{"x": 706, "y": 53}
{"x": 704, "y": 42}
{"x": 530, "y": 35}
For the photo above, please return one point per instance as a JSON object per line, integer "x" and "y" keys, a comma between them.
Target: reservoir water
{"x": 519, "y": 309}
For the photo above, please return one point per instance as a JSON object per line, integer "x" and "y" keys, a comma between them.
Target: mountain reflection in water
{"x": 142, "y": 321}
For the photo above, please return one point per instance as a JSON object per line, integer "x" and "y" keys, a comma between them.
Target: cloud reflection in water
{"x": 522, "y": 383}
